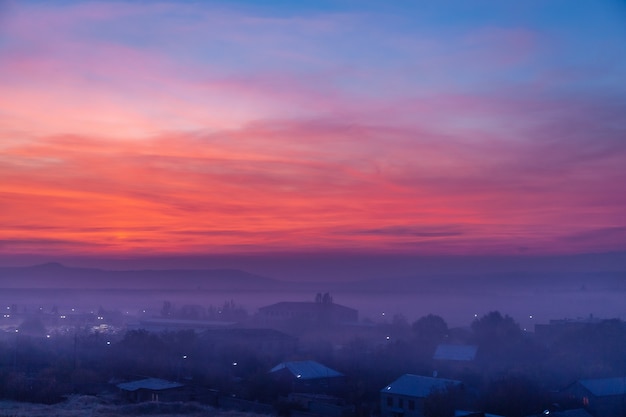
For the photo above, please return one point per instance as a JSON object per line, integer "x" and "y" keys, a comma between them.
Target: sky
{"x": 416, "y": 128}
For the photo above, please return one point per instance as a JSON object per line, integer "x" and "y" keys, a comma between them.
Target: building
{"x": 406, "y": 395}
{"x": 306, "y": 376}
{"x": 152, "y": 389}
{"x": 307, "y": 313}
{"x": 604, "y": 397}
{"x": 450, "y": 358}
{"x": 555, "y": 329}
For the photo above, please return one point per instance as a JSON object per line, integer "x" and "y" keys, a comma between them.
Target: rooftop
{"x": 307, "y": 370}
{"x": 304, "y": 306}
{"x": 154, "y": 384}
{"x": 606, "y": 386}
{"x": 417, "y": 385}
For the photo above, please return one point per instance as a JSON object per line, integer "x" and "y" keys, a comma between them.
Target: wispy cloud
{"x": 200, "y": 129}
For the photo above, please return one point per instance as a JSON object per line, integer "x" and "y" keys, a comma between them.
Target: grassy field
{"x": 87, "y": 406}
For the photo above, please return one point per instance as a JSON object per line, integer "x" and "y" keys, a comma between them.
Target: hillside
{"x": 82, "y": 405}
{"x": 54, "y": 275}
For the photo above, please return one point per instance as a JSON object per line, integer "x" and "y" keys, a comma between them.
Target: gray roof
{"x": 605, "y": 387}
{"x": 154, "y": 384}
{"x": 456, "y": 352}
{"x": 417, "y": 385}
{"x": 307, "y": 370}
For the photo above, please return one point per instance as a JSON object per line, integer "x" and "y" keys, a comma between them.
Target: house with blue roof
{"x": 406, "y": 395}
{"x": 152, "y": 389}
{"x": 306, "y": 376}
{"x": 603, "y": 397}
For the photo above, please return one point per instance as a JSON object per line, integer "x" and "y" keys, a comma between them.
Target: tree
{"x": 501, "y": 345}
{"x": 167, "y": 309}
{"x": 493, "y": 329}
{"x": 430, "y": 329}
{"x": 513, "y": 395}
{"x": 443, "y": 402}
{"x": 32, "y": 327}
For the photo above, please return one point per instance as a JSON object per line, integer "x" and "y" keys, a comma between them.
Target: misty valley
{"x": 346, "y": 350}
{"x": 312, "y": 208}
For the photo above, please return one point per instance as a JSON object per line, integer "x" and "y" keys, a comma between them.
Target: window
{"x": 400, "y": 403}
{"x": 412, "y": 405}
{"x": 389, "y": 401}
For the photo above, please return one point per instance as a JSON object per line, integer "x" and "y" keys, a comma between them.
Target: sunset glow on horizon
{"x": 129, "y": 128}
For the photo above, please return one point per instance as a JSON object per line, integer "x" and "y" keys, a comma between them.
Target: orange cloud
{"x": 296, "y": 186}
{"x": 182, "y": 136}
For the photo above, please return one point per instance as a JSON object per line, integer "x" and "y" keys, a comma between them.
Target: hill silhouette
{"x": 56, "y": 275}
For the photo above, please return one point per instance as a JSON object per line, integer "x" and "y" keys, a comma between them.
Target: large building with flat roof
{"x": 308, "y": 312}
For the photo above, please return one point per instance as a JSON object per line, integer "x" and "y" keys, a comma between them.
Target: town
{"x": 315, "y": 358}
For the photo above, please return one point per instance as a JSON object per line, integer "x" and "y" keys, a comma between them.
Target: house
{"x": 306, "y": 376}
{"x": 605, "y": 397}
{"x": 452, "y": 358}
{"x": 555, "y": 329}
{"x": 406, "y": 395}
{"x": 152, "y": 389}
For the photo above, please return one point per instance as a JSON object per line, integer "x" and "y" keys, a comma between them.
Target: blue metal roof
{"x": 417, "y": 386}
{"x": 307, "y": 370}
{"x": 154, "y": 384}
{"x": 606, "y": 386}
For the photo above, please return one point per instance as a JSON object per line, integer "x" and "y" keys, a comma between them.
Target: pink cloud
{"x": 131, "y": 148}
{"x": 268, "y": 190}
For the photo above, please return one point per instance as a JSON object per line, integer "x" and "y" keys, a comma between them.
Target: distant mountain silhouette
{"x": 496, "y": 282}
{"x": 55, "y": 275}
